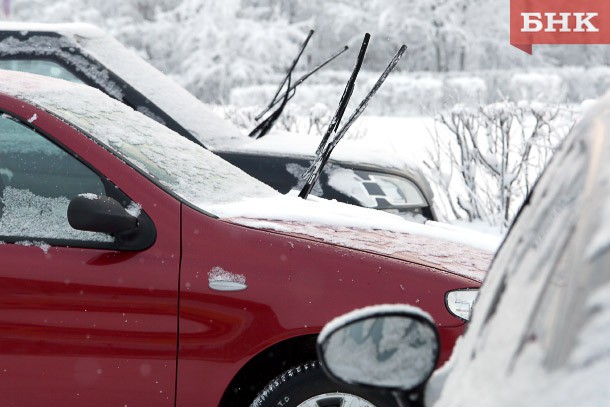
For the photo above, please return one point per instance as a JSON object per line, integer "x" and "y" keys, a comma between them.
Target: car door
{"x": 82, "y": 321}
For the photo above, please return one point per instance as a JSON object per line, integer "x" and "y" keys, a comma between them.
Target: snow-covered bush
{"x": 487, "y": 158}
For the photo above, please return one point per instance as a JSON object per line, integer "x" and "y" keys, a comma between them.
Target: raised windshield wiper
{"x": 326, "y": 147}
{"x": 263, "y": 127}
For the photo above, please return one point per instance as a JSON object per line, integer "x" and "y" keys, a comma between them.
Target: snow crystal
{"x": 34, "y": 117}
{"x": 89, "y": 196}
{"x": 219, "y": 274}
{"x": 134, "y": 209}
{"x": 222, "y": 280}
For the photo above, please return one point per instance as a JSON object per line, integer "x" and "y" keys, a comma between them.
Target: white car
{"x": 540, "y": 331}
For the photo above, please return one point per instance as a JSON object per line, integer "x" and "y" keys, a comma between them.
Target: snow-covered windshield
{"x": 194, "y": 174}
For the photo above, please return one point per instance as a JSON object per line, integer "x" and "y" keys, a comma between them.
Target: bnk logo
{"x": 559, "y": 22}
{"x": 562, "y": 22}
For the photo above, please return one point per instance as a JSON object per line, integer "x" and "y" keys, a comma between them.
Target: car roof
{"x": 170, "y": 97}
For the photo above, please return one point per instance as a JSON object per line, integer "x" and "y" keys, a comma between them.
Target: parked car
{"x": 138, "y": 268}
{"x": 84, "y": 53}
{"x": 539, "y": 333}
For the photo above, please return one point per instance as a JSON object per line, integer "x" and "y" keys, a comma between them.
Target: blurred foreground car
{"x": 84, "y": 53}
{"x": 540, "y": 332}
{"x": 138, "y": 268}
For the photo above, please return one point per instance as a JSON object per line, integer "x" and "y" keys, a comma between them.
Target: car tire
{"x": 308, "y": 386}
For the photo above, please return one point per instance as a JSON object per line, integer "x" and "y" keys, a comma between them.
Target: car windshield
{"x": 194, "y": 174}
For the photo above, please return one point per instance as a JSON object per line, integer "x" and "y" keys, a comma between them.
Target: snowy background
{"x": 480, "y": 117}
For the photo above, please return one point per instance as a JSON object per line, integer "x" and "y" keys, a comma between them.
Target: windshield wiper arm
{"x": 326, "y": 148}
{"x": 265, "y": 126}
{"x": 275, "y": 99}
{"x": 303, "y": 79}
{"x": 347, "y": 94}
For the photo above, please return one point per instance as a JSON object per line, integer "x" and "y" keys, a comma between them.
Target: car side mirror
{"x": 101, "y": 214}
{"x": 386, "y": 347}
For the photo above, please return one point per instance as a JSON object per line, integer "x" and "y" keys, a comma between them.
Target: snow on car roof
{"x": 170, "y": 97}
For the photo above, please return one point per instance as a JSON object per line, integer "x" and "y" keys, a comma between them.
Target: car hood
{"x": 456, "y": 258}
{"x": 445, "y": 247}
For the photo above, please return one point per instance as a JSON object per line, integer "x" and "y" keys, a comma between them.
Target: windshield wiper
{"x": 326, "y": 147}
{"x": 263, "y": 127}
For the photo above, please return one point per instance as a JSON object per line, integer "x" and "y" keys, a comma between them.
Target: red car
{"x": 139, "y": 269}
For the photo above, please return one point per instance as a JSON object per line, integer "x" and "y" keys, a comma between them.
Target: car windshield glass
{"x": 194, "y": 174}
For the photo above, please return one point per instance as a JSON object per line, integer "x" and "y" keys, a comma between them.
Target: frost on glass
{"x": 388, "y": 351}
{"x": 45, "y": 46}
{"x": 26, "y": 214}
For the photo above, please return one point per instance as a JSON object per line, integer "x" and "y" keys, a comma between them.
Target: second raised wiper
{"x": 264, "y": 126}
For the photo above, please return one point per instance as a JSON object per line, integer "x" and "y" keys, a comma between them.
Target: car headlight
{"x": 460, "y": 302}
{"x": 392, "y": 191}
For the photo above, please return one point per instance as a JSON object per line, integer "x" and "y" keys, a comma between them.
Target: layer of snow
{"x": 219, "y": 274}
{"x": 320, "y": 211}
{"x": 367, "y": 312}
{"x": 446, "y": 247}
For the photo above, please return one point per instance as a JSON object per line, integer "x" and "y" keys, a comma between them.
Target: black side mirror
{"x": 386, "y": 347}
{"x": 102, "y": 214}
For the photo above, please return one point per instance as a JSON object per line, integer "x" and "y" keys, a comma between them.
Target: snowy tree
{"x": 489, "y": 158}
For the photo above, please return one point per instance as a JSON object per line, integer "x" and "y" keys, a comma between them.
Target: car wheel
{"x": 308, "y": 386}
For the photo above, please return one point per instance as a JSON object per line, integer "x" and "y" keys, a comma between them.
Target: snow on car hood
{"x": 170, "y": 97}
{"x": 445, "y": 247}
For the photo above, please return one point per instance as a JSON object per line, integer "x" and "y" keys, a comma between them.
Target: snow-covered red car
{"x": 84, "y": 53}
{"x": 540, "y": 329}
{"x": 138, "y": 268}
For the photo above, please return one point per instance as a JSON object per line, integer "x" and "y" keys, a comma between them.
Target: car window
{"x": 39, "y": 67}
{"x": 37, "y": 181}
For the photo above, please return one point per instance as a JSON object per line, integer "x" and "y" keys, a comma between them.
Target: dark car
{"x": 138, "y": 268}
{"x": 83, "y": 53}
{"x": 540, "y": 329}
